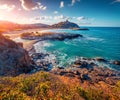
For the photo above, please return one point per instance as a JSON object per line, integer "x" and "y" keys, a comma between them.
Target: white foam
{"x": 93, "y": 38}
{"x": 69, "y": 43}
{"x": 40, "y": 46}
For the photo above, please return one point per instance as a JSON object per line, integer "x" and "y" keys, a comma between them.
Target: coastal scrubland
{"x": 46, "y": 86}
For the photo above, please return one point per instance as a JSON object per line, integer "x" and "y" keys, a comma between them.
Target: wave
{"x": 71, "y": 43}
{"x": 40, "y": 46}
{"x": 94, "y": 39}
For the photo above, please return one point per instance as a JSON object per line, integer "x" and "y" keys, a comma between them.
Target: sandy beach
{"x": 27, "y": 44}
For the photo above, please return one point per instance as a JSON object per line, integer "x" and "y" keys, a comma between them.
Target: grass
{"x": 46, "y": 86}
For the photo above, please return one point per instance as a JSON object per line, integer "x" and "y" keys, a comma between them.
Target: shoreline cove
{"x": 44, "y": 45}
{"x": 51, "y": 65}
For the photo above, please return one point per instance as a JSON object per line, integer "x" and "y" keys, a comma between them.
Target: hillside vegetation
{"x": 46, "y": 86}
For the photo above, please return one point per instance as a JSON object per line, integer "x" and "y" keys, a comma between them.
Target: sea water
{"x": 96, "y": 42}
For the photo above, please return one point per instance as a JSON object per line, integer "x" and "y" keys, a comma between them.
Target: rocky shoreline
{"x": 84, "y": 69}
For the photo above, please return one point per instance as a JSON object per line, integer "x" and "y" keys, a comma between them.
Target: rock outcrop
{"x": 14, "y": 60}
{"x": 87, "y": 70}
{"x": 50, "y": 36}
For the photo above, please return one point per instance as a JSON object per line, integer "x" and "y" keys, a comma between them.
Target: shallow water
{"x": 97, "y": 42}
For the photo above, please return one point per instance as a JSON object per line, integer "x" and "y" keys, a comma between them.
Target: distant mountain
{"x": 8, "y": 26}
{"x": 65, "y": 24}
{"x": 37, "y": 25}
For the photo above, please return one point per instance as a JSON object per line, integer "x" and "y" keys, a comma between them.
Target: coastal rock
{"x": 14, "y": 60}
{"x": 85, "y": 77}
{"x": 50, "y": 36}
{"x": 83, "y": 64}
{"x": 85, "y": 70}
{"x": 116, "y": 62}
{"x": 100, "y": 59}
{"x": 38, "y": 55}
{"x": 64, "y": 36}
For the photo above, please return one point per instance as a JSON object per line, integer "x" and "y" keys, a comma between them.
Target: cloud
{"x": 31, "y": 5}
{"x": 7, "y": 7}
{"x": 44, "y": 8}
{"x": 61, "y": 4}
{"x": 55, "y": 12}
{"x": 60, "y": 17}
{"x": 74, "y": 1}
{"x": 42, "y": 18}
{"x": 84, "y": 23}
{"x": 57, "y": 17}
{"x": 116, "y": 1}
{"x": 81, "y": 18}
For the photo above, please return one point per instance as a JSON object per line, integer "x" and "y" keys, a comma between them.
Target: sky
{"x": 82, "y": 12}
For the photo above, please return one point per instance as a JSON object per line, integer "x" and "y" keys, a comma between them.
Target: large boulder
{"x": 14, "y": 59}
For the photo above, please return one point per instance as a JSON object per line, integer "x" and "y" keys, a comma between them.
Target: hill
{"x": 65, "y": 24}
{"x": 9, "y": 26}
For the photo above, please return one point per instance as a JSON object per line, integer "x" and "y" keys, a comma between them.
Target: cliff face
{"x": 14, "y": 60}
{"x": 65, "y": 24}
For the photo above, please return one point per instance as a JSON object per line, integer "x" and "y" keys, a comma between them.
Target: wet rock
{"x": 92, "y": 64}
{"x": 99, "y": 59}
{"x": 116, "y": 62}
{"x": 62, "y": 72}
{"x": 84, "y": 64}
{"x": 85, "y": 77}
{"x": 61, "y": 67}
{"x": 39, "y": 55}
{"x": 63, "y": 36}
{"x": 76, "y": 72}
{"x": 78, "y": 62}
{"x": 45, "y": 68}
{"x": 91, "y": 72}
{"x": 69, "y": 75}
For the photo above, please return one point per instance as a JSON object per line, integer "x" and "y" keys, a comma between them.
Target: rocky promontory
{"x": 14, "y": 59}
{"x": 49, "y": 36}
{"x": 65, "y": 24}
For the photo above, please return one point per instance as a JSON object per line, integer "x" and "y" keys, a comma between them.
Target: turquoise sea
{"x": 97, "y": 42}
